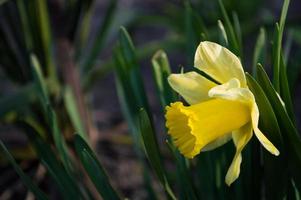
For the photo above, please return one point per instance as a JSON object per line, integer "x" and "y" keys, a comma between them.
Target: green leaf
{"x": 64, "y": 181}
{"x": 71, "y": 106}
{"x": 223, "y": 35}
{"x": 152, "y": 150}
{"x": 290, "y": 134}
{"x": 94, "y": 169}
{"x": 40, "y": 82}
{"x": 131, "y": 92}
{"x": 59, "y": 141}
{"x": 275, "y": 186}
{"x": 50, "y": 115}
{"x": 259, "y": 50}
{"x": 233, "y": 38}
{"x": 43, "y": 25}
{"x": 285, "y": 91}
{"x": 277, "y": 46}
{"x": 100, "y": 37}
{"x": 40, "y": 195}
{"x": 186, "y": 183}
{"x": 132, "y": 69}
{"x": 161, "y": 71}
{"x": 194, "y": 32}
{"x": 238, "y": 32}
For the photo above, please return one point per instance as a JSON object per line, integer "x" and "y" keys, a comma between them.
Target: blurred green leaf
{"x": 290, "y": 134}
{"x": 50, "y": 115}
{"x": 277, "y": 45}
{"x": 238, "y": 32}
{"x": 259, "y": 50}
{"x": 285, "y": 90}
{"x": 152, "y": 150}
{"x": 64, "y": 181}
{"x": 71, "y": 106}
{"x": 186, "y": 183}
{"x": 132, "y": 69}
{"x": 25, "y": 25}
{"x": 100, "y": 37}
{"x": 275, "y": 186}
{"x": 94, "y": 169}
{"x": 161, "y": 71}
{"x": 59, "y": 141}
{"x": 233, "y": 38}
{"x": 40, "y": 195}
{"x": 40, "y": 82}
{"x": 131, "y": 93}
{"x": 223, "y": 35}
{"x": 194, "y": 32}
{"x": 43, "y": 25}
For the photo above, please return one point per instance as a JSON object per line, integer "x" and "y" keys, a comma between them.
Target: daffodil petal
{"x": 194, "y": 127}
{"x": 240, "y": 137}
{"x": 218, "y": 142}
{"x": 219, "y": 63}
{"x": 231, "y": 90}
{"x": 261, "y": 137}
{"x": 191, "y": 86}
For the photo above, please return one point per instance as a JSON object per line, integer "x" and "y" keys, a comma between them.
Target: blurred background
{"x": 74, "y": 41}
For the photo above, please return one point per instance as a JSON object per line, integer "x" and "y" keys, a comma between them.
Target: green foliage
{"x": 52, "y": 63}
{"x": 94, "y": 169}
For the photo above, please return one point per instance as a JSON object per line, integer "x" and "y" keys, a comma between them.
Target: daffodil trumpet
{"x": 216, "y": 113}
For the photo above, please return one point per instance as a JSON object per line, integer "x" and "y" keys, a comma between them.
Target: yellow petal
{"x": 240, "y": 137}
{"x": 219, "y": 63}
{"x": 230, "y": 91}
{"x": 261, "y": 137}
{"x": 191, "y": 86}
{"x": 194, "y": 127}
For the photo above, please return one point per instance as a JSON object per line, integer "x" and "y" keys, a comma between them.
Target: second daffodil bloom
{"x": 217, "y": 113}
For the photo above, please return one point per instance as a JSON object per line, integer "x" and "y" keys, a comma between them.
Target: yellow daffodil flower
{"x": 217, "y": 113}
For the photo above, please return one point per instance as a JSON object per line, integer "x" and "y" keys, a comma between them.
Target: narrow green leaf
{"x": 25, "y": 25}
{"x": 285, "y": 91}
{"x": 161, "y": 71}
{"x": 290, "y": 134}
{"x": 50, "y": 115}
{"x": 186, "y": 183}
{"x": 238, "y": 32}
{"x": 152, "y": 150}
{"x": 100, "y": 37}
{"x": 233, "y": 41}
{"x": 132, "y": 68}
{"x": 194, "y": 32}
{"x": 259, "y": 50}
{"x": 223, "y": 35}
{"x": 278, "y": 45}
{"x": 43, "y": 21}
{"x": 84, "y": 28}
{"x": 59, "y": 141}
{"x": 131, "y": 92}
{"x": 94, "y": 169}
{"x": 64, "y": 181}
{"x": 40, "y": 82}
{"x": 25, "y": 179}
{"x": 73, "y": 112}
{"x": 275, "y": 186}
